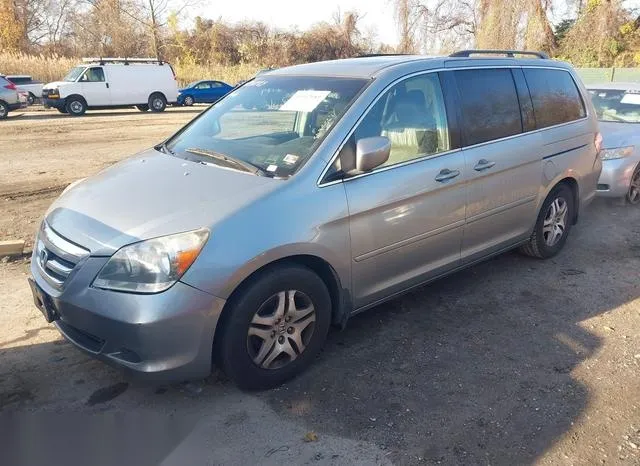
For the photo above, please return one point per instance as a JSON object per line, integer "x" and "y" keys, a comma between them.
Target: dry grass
{"x": 52, "y": 68}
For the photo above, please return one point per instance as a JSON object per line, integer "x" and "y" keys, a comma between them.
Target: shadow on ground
{"x": 472, "y": 369}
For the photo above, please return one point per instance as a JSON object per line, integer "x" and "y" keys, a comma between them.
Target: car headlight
{"x": 616, "y": 153}
{"x": 153, "y": 265}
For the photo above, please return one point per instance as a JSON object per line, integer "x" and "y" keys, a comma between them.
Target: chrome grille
{"x": 56, "y": 257}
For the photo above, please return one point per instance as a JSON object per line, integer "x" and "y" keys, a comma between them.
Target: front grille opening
{"x": 81, "y": 338}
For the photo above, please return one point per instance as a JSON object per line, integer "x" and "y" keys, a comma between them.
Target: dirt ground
{"x": 514, "y": 361}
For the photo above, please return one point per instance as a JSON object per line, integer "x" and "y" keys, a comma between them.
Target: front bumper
{"x": 53, "y": 103}
{"x": 162, "y": 337}
{"x": 616, "y": 176}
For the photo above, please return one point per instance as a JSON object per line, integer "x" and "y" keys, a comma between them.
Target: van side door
{"x": 503, "y": 159}
{"x": 406, "y": 216}
{"x": 95, "y": 87}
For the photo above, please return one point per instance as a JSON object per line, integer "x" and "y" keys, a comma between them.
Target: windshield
{"x": 616, "y": 105}
{"x": 74, "y": 74}
{"x": 190, "y": 85}
{"x": 273, "y": 123}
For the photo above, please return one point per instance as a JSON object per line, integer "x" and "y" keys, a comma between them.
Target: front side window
{"x": 555, "y": 97}
{"x": 411, "y": 115}
{"x": 203, "y": 86}
{"x": 273, "y": 123}
{"x": 490, "y": 106}
{"x": 93, "y": 75}
{"x": 616, "y": 105}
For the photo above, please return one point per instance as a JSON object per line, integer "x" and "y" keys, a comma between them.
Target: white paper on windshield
{"x": 633, "y": 99}
{"x": 304, "y": 101}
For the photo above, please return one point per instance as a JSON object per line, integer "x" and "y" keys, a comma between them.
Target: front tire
{"x": 62, "y": 110}
{"x": 76, "y": 106}
{"x": 143, "y": 108}
{"x": 553, "y": 225}
{"x": 157, "y": 103}
{"x": 275, "y": 328}
{"x": 31, "y": 99}
{"x": 188, "y": 101}
{"x": 633, "y": 195}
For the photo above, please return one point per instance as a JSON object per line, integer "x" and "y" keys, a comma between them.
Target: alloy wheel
{"x": 188, "y": 101}
{"x": 157, "y": 103}
{"x": 633, "y": 195}
{"x": 76, "y": 106}
{"x": 3, "y": 111}
{"x": 281, "y": 329}
{"x": 555, "y": 221}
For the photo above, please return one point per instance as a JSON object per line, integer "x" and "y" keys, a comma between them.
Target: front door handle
{"x": 483, "y": 164}
{"x": 106, "y": 84}
{"x": 447, "y": 174}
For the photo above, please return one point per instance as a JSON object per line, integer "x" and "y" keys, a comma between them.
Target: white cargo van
{"x": 98, "y": 83}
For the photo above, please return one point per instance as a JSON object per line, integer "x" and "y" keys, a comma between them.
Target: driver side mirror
{"x": 371, "y": 153}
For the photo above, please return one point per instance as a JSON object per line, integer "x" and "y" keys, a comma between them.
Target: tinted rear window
{"x": 555, "y": 97}
{"x": 490, "y": 107}
{"x": 18, "y": 80}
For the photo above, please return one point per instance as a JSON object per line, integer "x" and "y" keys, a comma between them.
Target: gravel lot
{"x": 514, "y": 361}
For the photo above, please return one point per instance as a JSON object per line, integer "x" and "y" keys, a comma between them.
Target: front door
{"x": 407, "y": 216}
{"x": 95, "y": 88}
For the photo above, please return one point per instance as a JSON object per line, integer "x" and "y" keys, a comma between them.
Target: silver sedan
{"x": 618, "y": 109}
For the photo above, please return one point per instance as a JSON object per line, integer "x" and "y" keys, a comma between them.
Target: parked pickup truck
{"x": 27, "y": 84}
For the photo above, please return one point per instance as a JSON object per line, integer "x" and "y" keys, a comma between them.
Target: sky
{"x": 378, "y": 14}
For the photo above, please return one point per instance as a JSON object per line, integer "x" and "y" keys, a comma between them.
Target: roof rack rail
{"x": 508, "y": 53}
{"x": 369, "y": 55}
{"x": 125, "y": 60}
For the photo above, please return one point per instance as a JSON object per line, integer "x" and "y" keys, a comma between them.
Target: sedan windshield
{"x": 616, "y": 105}
{"x": 273, "y": 123}
{"x": 74, "y": 74}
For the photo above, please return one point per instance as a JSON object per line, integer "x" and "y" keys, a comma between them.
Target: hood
{"x": 56, "y": 84}
{"x": 152, "y": 194}
{"x": 619, "y": 134}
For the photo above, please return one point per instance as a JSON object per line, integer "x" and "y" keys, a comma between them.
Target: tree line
{"x": 592, "y": 33}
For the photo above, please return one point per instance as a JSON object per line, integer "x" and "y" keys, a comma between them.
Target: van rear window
{"x": 555, "y": 97}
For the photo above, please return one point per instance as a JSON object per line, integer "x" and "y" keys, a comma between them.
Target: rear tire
{"x": 143, "y": 108}
{"x": 553, "y": 225}
{"x": 76, "y": 106}
{"x": 157, "y": 102}
{"x": 4, "y": 110}
{"x": 274, "y": 328}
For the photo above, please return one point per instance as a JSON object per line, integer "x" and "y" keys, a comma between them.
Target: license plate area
{"x": 43, "y": 302}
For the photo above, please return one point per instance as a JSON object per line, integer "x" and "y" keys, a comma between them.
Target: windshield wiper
{"x": 237, "y": 163}
{"x": 163, "y": 147}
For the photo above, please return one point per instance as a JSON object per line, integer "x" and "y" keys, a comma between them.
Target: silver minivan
{"x": 307, "y": 195}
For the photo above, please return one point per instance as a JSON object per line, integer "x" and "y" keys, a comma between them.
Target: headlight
{"x": 151, "y": 266}
{"x": 616, "y": 153}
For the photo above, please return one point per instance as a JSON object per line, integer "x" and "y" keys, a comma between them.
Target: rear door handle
{"x": 483, "y": 164}
{"x": 447, "y": 174}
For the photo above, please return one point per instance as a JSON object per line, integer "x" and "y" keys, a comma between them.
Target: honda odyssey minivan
{"x": 310, "y": 194}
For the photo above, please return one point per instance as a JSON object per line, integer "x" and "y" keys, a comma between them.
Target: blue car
{"x": 203, "y": 92}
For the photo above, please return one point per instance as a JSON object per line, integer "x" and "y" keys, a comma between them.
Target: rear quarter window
{"x": 490, "y": 107}
{"x": 555, "y": 97}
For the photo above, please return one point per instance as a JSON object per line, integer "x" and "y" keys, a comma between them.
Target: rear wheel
{"x": 76, "y": 106}
{"x": 157, "y": 102}
{"x": 4, "y": 110}
{"x": 143, "y": 108}
{"x": 275, "y": 328}
{"x": 553, "y": 224}
{"x": 633, "y": 195}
